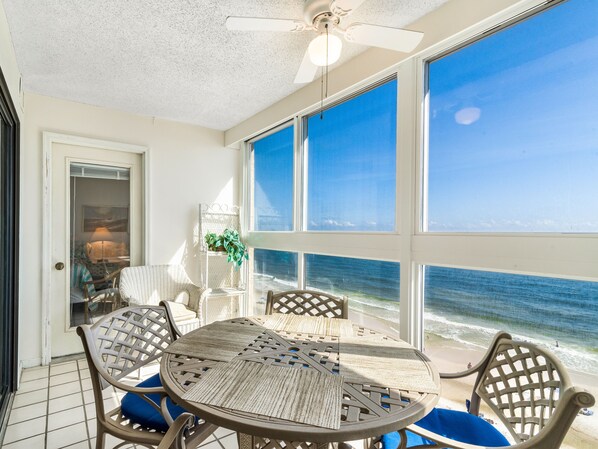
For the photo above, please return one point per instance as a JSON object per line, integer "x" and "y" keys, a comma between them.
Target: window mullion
{"x": 407, "y": 144}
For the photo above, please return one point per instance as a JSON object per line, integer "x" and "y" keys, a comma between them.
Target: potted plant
{"x": 230, "y": 243}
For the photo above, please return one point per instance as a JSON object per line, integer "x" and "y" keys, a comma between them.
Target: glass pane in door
{"x": 99, "y": 238}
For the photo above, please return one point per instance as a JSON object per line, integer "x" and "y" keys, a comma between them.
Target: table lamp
{"x": 101, "y": 234}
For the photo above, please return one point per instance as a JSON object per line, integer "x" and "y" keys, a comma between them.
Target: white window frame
{"x": 560, "y": 255}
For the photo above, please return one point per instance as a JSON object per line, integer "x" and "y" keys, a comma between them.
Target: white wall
{"x": 188, "y": 165}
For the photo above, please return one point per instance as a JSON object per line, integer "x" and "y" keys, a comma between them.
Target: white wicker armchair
{"x": 150, "y": 284}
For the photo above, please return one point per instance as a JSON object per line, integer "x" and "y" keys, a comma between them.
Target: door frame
{"x": 49, "y": 139}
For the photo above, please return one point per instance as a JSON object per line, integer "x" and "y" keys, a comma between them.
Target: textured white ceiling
{"x": 172, "y": 59}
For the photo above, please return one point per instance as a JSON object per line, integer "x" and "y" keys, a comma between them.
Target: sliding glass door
{"x": 9, "y": 224}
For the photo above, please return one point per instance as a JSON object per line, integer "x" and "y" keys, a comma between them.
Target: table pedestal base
{"x": 253, "y": 442}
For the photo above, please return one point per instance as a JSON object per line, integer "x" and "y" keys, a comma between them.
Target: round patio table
{"x": 367, "y": 409}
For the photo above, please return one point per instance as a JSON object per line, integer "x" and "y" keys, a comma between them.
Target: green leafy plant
{"x": 230, "y": 243}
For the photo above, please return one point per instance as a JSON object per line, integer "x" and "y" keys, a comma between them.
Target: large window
{"x": 512, "y": 128}
{"x": 272, "y": 192}
{"x": 371, "y": 285}
{"x": 352, "y": 163}
{"x": 510, "y": 148}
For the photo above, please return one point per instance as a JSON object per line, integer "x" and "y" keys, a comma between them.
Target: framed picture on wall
{"x": 115, "y": 218}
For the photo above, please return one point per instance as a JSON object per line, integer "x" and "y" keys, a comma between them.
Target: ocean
{"x": 467, "y": 306}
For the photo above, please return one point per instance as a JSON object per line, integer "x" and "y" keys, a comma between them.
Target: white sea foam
{"x": 478, "y": 336}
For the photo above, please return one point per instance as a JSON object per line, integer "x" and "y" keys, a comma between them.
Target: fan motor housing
{"x": 317, "y": 13}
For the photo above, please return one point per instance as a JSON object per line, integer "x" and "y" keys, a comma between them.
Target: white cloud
{"x": 467, "y": 116}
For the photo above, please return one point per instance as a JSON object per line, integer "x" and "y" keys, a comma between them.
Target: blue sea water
{"x": 464, "y": 305}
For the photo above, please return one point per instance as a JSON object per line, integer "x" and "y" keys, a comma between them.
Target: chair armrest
{"x": 175, "y": 329}
{"x": 197, "y": 296}
{"x": 175, "y": 437}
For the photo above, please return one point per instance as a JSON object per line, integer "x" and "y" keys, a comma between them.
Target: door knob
{"x": 59, "y": 266}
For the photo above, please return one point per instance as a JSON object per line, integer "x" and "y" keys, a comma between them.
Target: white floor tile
{"x": 86, "y": 384}
{"x": 65, "y": 378}
{"x": 110, "y": 442}
{"x": 212, "y": 445}
{"x": 64, "y": 390}
{"x": 111, "y": 404}
{"x": 65, "y": 402}
{"x": 90, "y": 411}
{"x": 88, "y": 397}
{"x": 62, "y": 368}
{"x": 33, "y": 385}
{"x": 32, "y": 397}
{"x": 92, "y": 428}
{"x": 65, "y": 418}
{"x": 82, "y": 363}
{"x": 84, "y": 373}
{"x": 34, "y": 373}
{"x": 28, "y": 412}
{"x": 24, "y": 429}
{"x": 210, "y": 439}
{"x": 80, "y": 445}
{"x": 28, "y": 443}
{"x": 66, "y": 436}
{"x": 229, "y": 442}
{"x": 222, "y": 432}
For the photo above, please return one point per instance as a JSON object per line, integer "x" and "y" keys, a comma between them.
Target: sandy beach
{"x": 451, "y": 356}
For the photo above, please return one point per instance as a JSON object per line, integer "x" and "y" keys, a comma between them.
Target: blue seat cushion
{"x": 458, "y": 426}
{"x": 140, "y": 412}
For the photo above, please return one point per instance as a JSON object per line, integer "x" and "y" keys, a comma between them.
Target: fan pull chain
{"x": 322, "y": 93}
{"x": 324, "y": 90}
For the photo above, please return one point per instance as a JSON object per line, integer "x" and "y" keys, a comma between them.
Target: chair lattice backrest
{"x": 129, "y": 338}
{"x": 522, "y": 384}
{"x": 306, "y": 302}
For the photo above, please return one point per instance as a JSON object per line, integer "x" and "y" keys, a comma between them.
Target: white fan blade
{"x": 385, "y": 37}
{"x": 307, "y": 70}
{"x": 343, "y": 8}
{"x": 261, "y": 24}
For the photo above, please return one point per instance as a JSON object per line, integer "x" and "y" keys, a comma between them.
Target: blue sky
{"x": 351, "y": 160}
{"x": 513, "y": 143}
{"x": 529, "y": 163}
{"x": 273, "y": 189}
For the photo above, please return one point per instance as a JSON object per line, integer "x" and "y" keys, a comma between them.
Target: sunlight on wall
{"x": 177, "y": 258}
{"x": 227, "y": 193}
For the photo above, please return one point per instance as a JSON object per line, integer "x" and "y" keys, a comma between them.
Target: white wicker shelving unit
{"x": 228, "y": 284}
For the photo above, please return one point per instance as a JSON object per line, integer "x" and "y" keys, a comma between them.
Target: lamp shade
{"x": 101, "y": 234}
{"x": 317, "y": 49}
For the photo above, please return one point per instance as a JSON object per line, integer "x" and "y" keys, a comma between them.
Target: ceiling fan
{"x": 324, "y": 17}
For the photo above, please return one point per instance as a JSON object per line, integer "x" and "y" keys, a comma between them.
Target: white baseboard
{"x": 29, "y": 363}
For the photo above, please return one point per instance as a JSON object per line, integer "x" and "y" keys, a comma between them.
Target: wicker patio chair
{"x": 175, "y": 437}
{"x": 150, "y": 284}
{"x": 116, "y": 346}
{"x": 527, "y": 388}
{"x": 307, "y": 302}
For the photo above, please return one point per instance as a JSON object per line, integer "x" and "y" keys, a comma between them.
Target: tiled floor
{"x": 54, "y": 408}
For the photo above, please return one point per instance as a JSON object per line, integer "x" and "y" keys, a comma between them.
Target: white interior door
{"x": 97, "y": 228}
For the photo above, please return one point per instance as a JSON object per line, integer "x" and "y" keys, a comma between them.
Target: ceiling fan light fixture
{"x": 318, "y": 47}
